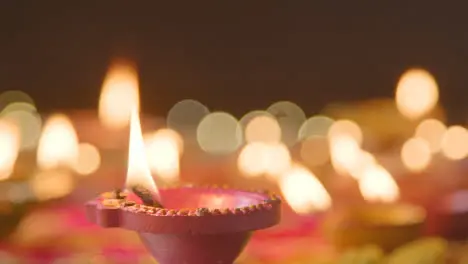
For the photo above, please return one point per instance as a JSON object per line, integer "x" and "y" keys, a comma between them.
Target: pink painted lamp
{"x": 196, "y": 225}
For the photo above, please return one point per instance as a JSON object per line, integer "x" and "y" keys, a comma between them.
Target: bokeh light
{"x": 345, "y": 153}
{"x": 417, "y": 93}
{"x": 363, "y": 161}
{"x": 58, "y": 145}
{"x": 416, "y": 154}
{"x": 119, "y": 95}
{"x": 290, "y": 118}
{"x": 251, "y": 115}
{"x": 164, "y": 148}
{"x": 251, "y": 161}
{"x": 18, "y": 106}
{"x": 345, "y": 127}
{"x": 185, "y": 116}
{"x": 9, "y": 147}
{"x": 315, "y": 150}
{"x": 138, "y": 168}
{"x": 303, "y": 191}
{"x": 269, "y": 159}
{"x": 378, "y": 185}
{"x": 51, "y": 185}
{"x": 278, "y": 159}
{"x": 89, "y": 159}
{"x": 315, "y": 126}
{"x": 263, "y": 128}
{"x": 29, "y": 124}
{"x": 432, "y": 131}
{"x": 10, "y": 97}
{"x": 455, "y": 143}
{"x": 219, "y": 133}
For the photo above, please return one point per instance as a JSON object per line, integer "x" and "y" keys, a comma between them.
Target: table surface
{"x": 61, "y": 234}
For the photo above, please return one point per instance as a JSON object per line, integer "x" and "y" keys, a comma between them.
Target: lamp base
{"x": 195, "y": 249}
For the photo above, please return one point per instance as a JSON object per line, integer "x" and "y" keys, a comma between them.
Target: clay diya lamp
{"x": 385, "y": 225}
{"x": 197, "y": 225}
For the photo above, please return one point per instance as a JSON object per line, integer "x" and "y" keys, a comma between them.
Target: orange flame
{"x": 119, "y": 95}
{"x": 259, "y": 158}
{"x": 58, "y": 144}
{"x": 138, "y": 171}
{"x": 303, "y": 191}
{"x": 10, "y": 143}
{"x": 377, "y": 185}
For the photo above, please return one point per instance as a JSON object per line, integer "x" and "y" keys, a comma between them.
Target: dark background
{"x": 232, "y": 55}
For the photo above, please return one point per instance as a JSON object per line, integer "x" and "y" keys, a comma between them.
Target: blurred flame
{"x": 417, "y": 93}
{"x": 58, "y": 144}
{"x": 363, "y": 161}
{"x": 163, "y": 149}
{"x": 455, "y": 143}
{"x": 252, "y": 159}
{"x": 28, "y": 122}
{"x": 138, "y": 171}
{"x": 347, "y": 128}
{"x": 89, "y": 159}
{"x": 416, "y": 154}
{"x": 377, "y": 185}
{"x": 278, "y": 159}
{"x": 432, "y": 131}
{"x": 118, "y": 96}
{"x": 303, "y": 191}
{"x": 52, "y": 184}
{"x": 9, "y": 148}
{"x": 345, "y": 153}
{"x": 258, "y": 158}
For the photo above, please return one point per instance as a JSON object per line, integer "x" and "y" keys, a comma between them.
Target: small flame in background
{"x": 264, "y": 153}
{"x": 303, "y": 191}
{"x": 58, "y": 144}
{"x": 377, "y": 185}
{"x": 345, "y": 153}
{"x": 138, "y": 171}
{"x": 417, "y": 93}
{"x": 119, "y": 95}
{"x": 89, "y": 159}
{"x": 259, "y": 158}
{"x": 9, "y": 148}
{"x": 57, "y": 154}
{"x": 164, "y": 148}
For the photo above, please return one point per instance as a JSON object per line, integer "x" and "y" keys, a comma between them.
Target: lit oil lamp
{"x": 214, "y": 228}
{"x": 384, "y": 222}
